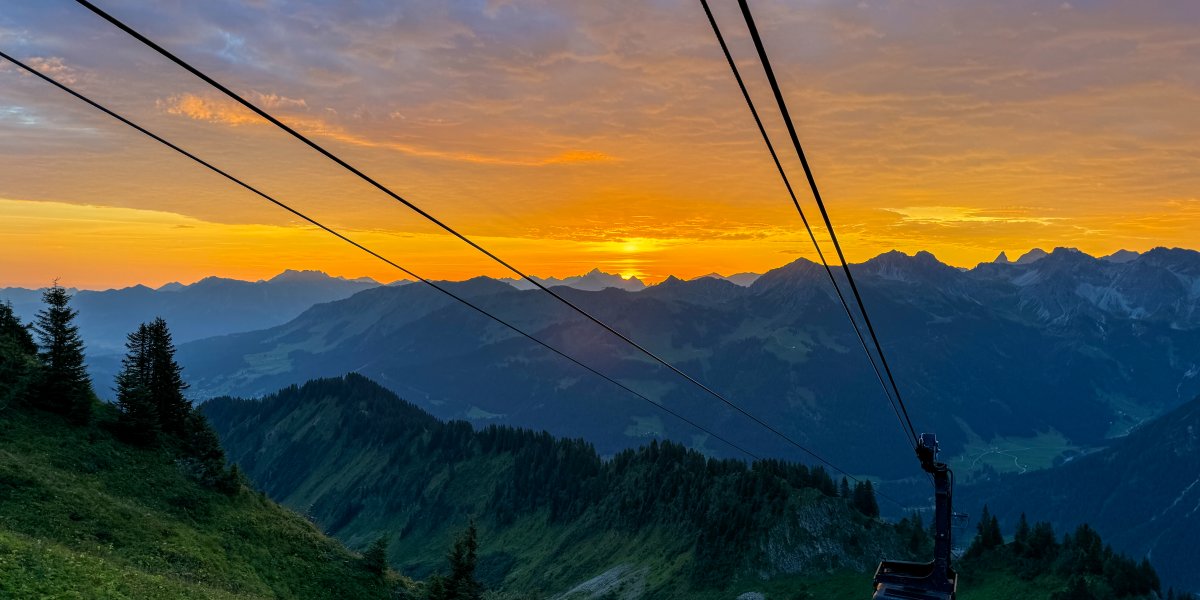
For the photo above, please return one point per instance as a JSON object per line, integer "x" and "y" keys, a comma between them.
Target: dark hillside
{"x": 361, "y": 461}
{"x": 659, "y": 521}
{"x": 1142, "y": 494}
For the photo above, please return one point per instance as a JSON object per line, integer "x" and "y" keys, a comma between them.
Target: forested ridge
{"x": 718, "y": 508}
{"x": 552, "y": 512}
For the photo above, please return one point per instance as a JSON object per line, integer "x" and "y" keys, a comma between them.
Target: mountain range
{"x": 1067, "y": 351}
{"x": 594, "y": 281}
{"x": 211, "y": 306}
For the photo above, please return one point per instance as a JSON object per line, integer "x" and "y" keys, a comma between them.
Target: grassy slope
{"x": 84, "y": 515}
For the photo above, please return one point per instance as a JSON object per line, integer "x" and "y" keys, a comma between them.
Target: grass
{"x": 1013, "y": 454}
{"x": 83, "y": 514}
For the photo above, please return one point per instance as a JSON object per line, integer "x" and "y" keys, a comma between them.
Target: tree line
{"x": 1094, "y": 571}
{"x": 42, "y": 365}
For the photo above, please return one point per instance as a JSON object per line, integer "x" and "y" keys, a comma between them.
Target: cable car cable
{"x": 812, "y": 184}
{"x": 315, "y": 146}
{"x": 791, "y": 192}
{"x": 412, "y": 274}
{"x": 350, "y": 241}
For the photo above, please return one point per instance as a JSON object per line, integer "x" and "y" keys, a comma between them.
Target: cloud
{"x": 277, "y": 101}
{"x": 957, "y": 215}
{"x": 54, "y": 67}
{"x": 219, "y": 110}
{"x": 925, "y": 123}
{"x": 212, "y": 110}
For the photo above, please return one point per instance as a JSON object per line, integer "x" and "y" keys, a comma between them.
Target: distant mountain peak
{"x": 312, "y": 275}
{"x": 898, "y": 266}
{"x": 1032, "y": 256}
{"x": 301, "y": 275}
{"x": 594, "y": 280}
{"x": 1002, "y": 259}
{"x": 1121, "y": 256}
{"x": 740, "y": 279}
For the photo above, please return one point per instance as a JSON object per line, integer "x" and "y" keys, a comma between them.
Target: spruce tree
{"x": 18, "y": 356}
{"x": 139, "y": 417}
{"x": 1021, "y": 537}
{"x": 988, "y": 536}
{"x": 202, "y": 448}
{"x": 461, "y": 583}
{"x": 14, "y": 331}
{"x": 844, "y": 491}
{"x": 1043, "y": 543}
{"x": 63, "y": 385}
{"x": 864, "y": 499}
{"x": 375, "y": 558}
{"x": 166, "y": 380}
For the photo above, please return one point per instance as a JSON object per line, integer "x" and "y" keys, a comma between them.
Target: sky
{"x": 570, "y": 134}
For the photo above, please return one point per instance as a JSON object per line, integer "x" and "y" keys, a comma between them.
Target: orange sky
{"x": 572, "y": 135}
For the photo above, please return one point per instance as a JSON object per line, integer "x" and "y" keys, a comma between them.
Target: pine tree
{"x": 1149, "y": 575}
{"x": 63, "y": 385}
{"x": 864, "y": 499}
{"x": 1043, "y": 543}
{"x": 139, "y": 418}
{"x": 166, "y": 380}
{"x": 844, "y": 491}
{"x": 18, "y": 356}
{"x": 375, "y": 558}
{"x": 988, "y": 536}
{"x": 202, "y": 449}
{"x": 13, "y": 330}
{"x": 435, "y": 587}
{"x": 461, "y": 583}
{"x": 1021, "y": 537}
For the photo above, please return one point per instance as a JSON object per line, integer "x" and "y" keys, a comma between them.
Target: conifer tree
{"x": 375, "y": 558}
{"x": 1021, "y": 537}
{"x": 18, "y": 356}
{"x": 988, "y": 536}
{"x": 1043, "y": 544}
{"x": 1149, "y": 575}
{"x": 864, "y": 499}
{"x": 12, "y": 329}
{"x": 139, "y": 413}
{"x": 63, "y": 385}
{"x": 202, "y": 447}
{"x": 166, "y": 380}
{"x": 844, "y": 491}
{"x": 461, "y": 583}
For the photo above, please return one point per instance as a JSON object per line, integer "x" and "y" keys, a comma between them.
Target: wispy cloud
{"x": 955, "y": 215}
{"x": 227, "y": 112}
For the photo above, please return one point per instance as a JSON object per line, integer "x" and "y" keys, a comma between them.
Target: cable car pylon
{"x": 937, "y": 580}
